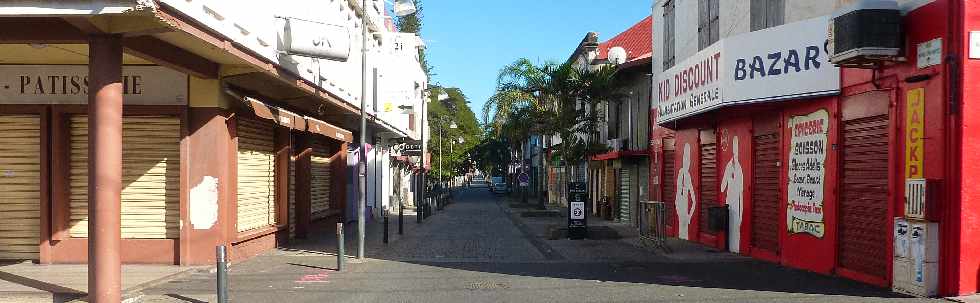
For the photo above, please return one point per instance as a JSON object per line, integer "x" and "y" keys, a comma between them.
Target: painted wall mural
{"x": 685, "y": 194}
{"x": 733, "y": 185}
{"x": 807, "y": 172}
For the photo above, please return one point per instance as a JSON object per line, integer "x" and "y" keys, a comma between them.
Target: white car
{"x": 498, "y": 185}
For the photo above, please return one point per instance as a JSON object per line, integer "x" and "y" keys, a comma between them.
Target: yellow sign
{"x": 914, "y": 132}
{"x": 388, "y": 107}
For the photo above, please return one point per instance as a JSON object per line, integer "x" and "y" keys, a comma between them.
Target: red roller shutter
{"x": 765, "y": 186}
{"x": 863, "y": 220}
{"x": 709, "y": 178}
{"x": 670, "y": 181}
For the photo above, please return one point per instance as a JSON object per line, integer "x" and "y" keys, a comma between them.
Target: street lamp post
{"x": 402, "y": 8}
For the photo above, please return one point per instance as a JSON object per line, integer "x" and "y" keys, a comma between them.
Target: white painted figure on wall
{"x": 685, "y": 193}
{"x": 733, "y": 184}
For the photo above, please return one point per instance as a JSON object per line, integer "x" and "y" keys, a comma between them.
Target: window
{"x": 668, "y": 34}
{"x": 767, "y": 13}
{"x": 708, "y": 25}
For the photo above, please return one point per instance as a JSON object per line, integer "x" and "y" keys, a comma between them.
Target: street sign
{"x": 577, "y": 222}
{"x": 524, "y": 179}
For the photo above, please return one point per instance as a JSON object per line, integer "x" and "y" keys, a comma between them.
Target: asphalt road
{"x": 478, "y": 250}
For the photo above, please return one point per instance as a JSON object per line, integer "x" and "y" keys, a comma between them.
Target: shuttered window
{"x": 708, "y": 23}
{"x": 151, "y": 177}
{"x": 864, "y": 224}
{"x": 20, "y": 179}
{"x": 320, "y": 183}
{"x": 709, "y": 178}
{"x": 765, "y": 190}
{"x": 669, "y": 35}
{"x": 670, "y": 181}
{"x": 292, "y": 197}
{"x": 256, "y": 174}
{"x": 766, "y": 13}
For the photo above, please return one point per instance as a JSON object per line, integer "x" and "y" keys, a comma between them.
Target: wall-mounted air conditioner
{"x": 865, "y": 34}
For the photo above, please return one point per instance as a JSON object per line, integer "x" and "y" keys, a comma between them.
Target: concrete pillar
{"x": 105, "y": 167}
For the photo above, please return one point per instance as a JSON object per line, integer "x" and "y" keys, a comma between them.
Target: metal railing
{"x": 653, "y": 225}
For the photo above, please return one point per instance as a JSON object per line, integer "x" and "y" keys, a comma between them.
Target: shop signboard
{"x": 780, "y": 63}
{"x": 68, "y": 84}
{"x": 577, "y": 222}
{"x": 807, "y": 173}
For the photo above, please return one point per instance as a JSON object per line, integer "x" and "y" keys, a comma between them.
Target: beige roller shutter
{"x": 256, "y": 174}
{"x": 20, "y": 179}
{"x": 320, "y": 183}
{"x": 151, "y": 177}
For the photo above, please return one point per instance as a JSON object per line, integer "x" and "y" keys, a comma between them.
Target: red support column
{"x": 105, "y": 167}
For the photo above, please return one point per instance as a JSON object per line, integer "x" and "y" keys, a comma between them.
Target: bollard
{"x": 340, "y": 247}
{"x": 385, "y": 238}
{"x": 401, "y": 216}
{"x": 222, "y": 268}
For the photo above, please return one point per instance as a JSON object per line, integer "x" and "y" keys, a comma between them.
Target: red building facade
{"x": 816, "y": 181}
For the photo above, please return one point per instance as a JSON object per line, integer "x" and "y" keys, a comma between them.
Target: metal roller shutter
{"x": 624, "y": 194}
{"x": 709, "y": 178}
{"x": 670, "y": 181}
{"x": 151, "y": 177}
{"x": 256, "y": 174}
{"x": 320, "y": 183}
{"x": 864, "y": 224}
{"x": 20, "y": 179}
{"x": 765, "y": 192}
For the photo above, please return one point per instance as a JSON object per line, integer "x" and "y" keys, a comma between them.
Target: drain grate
{"x": 487, "y": 285}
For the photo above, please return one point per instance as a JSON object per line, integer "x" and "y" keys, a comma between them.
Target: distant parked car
{"x": 498, "y": 185}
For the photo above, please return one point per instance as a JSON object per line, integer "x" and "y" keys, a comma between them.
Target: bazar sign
{"x": 779, "y": 63}
{"x": 68, "y": 84}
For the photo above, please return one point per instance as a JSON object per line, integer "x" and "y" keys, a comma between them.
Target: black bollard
{"x": 340, "y": 247}
{"x": 222, "y": 268}
{"x": 385, "y": 238}
{"x": 401, "y": 216}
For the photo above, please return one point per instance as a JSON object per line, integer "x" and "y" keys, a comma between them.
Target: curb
{"x": 134, "y": 294}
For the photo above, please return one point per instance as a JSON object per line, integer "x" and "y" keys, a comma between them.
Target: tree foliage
{"x": 551, "y": 99}
{"x": 443, "y": 140}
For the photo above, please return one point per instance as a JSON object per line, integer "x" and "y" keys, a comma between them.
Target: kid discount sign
{"x": 781, "y": 63}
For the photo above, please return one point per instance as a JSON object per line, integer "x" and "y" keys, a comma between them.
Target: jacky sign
{"x": 779, "y": 63}
{"x": 68, "y": 84}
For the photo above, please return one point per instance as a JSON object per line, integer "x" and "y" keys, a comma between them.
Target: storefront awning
{"x": 294, "y": 121}
{"x": 620, "y": 154}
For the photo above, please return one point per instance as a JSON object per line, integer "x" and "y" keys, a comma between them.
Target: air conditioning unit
{"x": 866, "y": 34}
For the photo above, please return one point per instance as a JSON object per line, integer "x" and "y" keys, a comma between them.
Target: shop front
{"x": 760, "y": 151}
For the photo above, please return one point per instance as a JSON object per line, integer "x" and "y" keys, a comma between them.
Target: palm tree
{"x": 551, "y": 99}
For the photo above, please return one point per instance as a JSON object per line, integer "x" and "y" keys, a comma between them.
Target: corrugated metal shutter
{"x": 320, "y": 185}
{"x": 709, "y": 178}
{"x": 624, "y": 195}
{"x": 670, "y": 180}
{"x": 151, "y": 177}
{"x": 256, "y": 174}
{"x": 864, "y": 225}
{"x": 20, "y": 179}
{"x": 765, "y": 190}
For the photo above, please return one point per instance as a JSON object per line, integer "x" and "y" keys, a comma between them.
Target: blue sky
{"x": 470, "y": 40}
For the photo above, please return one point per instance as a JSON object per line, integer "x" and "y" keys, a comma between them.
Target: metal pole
{"x": 340, "y": 247}
{"x": 440, "y": 155}
{"x": 385, "y": 239}
{"x": 105, "y": 109}
{"x": 362, "y": 170}
{"x": 222, "y": 259}
{"x": 401, "y": 215}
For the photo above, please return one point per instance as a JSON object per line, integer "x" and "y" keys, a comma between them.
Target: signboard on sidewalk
{"x": 577, "y": 223}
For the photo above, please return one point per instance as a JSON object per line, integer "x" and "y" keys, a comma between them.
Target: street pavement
{"x": 479, "y": 249}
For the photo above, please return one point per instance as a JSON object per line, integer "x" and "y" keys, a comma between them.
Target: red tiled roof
{"x": 637, "y": 41}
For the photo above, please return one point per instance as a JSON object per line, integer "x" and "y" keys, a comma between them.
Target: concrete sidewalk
{"x": 29, "y": 282}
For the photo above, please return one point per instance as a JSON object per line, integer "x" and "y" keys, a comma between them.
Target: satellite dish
{"x": 617, "y": 55}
